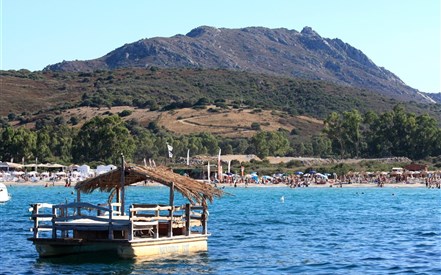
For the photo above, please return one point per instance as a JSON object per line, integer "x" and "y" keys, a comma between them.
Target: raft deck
{"x": 63, "y": 229}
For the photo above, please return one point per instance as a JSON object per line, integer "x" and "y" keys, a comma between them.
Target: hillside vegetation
{"x": 27, "y": 93}
{"x": 93, "y": 117}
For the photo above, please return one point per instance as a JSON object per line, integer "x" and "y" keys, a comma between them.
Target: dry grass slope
{"x": 227, "y": 123}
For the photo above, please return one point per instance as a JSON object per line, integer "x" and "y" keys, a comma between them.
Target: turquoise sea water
{"x": 311, "y": 231}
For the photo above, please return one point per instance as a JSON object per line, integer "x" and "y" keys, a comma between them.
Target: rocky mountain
{"x": 281, "y": 51}
{"x": 434, "y": 96}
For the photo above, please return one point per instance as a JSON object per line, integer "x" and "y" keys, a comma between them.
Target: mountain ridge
{"x": 279, "y": 51}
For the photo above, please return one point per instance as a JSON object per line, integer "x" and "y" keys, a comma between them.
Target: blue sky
{"x": 401, "y": 35}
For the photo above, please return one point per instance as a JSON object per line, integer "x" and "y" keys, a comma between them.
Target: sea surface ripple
{"x": 261, "y": 231}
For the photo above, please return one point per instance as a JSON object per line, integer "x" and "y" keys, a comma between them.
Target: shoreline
{"x": 241, "y": 185}
{"x": 327, "y": 185}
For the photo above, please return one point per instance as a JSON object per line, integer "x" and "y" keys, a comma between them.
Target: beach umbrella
{"x": 321, "y": 175}
{"x": 298, "y": 173}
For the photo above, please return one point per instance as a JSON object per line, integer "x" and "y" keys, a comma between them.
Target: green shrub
{"x": 255, "y": 126}
{"x": 125, "y": 113}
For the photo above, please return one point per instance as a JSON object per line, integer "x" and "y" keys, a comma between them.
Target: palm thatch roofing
{"x": 194, "y": 191}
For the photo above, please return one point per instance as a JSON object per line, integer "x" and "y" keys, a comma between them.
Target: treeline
{"x": 394, "y": 133}
{"x": 103, "y": 139}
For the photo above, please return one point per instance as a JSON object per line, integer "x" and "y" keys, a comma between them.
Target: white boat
{"x": 148, "y": 230}
{"x": 4, "y": 195}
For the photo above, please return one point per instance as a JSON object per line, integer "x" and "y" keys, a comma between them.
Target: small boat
{"x": 4, "y": 195}
{"x": 148, "y": 230}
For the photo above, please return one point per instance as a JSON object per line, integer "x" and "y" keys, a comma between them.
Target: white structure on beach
{"x": 101, "y": 169}
{"x": 84, "y": 170}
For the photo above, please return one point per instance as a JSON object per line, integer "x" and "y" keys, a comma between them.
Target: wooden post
{"x": 122, "y": 184}
{"x": 172, "y": 197}
{"x": 204, "y": 221}
{"x": 157, "y": 212}
{"x": 208, "y": 172}
{"x": 110, "y": 224}
{"x": 65, "y": 213}
{"x": 35, "y": 212}
{"x": 131, "y": 219}
{"x": 54, "y": 215}
{"x": 78, "y": 201}
{"x": 118, "y": 199}
{"x": 188, "y": 221}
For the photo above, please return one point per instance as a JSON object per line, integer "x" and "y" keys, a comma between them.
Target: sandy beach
{"x": 327, "y": 185}
{"x": 419, "y": 184}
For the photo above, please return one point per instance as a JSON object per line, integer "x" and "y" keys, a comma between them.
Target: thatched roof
{"x": 194, "y": 191}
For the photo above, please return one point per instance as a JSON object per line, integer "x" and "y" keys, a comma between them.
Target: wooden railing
{"x": 61, "y": 218}
{"x": 61, "y": 214}
{"x": 144, "y": 220}
{"x": 177, "y": 217}
{"x": 41, "y": 220}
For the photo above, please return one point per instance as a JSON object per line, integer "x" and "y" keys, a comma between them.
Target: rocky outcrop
{"x": 281, "y": 51}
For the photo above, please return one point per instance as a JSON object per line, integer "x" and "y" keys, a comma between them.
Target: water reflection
{"x": 194, "y": 263}
{"x": 101, "y": 257}
{"x": 87, "y": 263}
{"x": 105, "y": 263}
